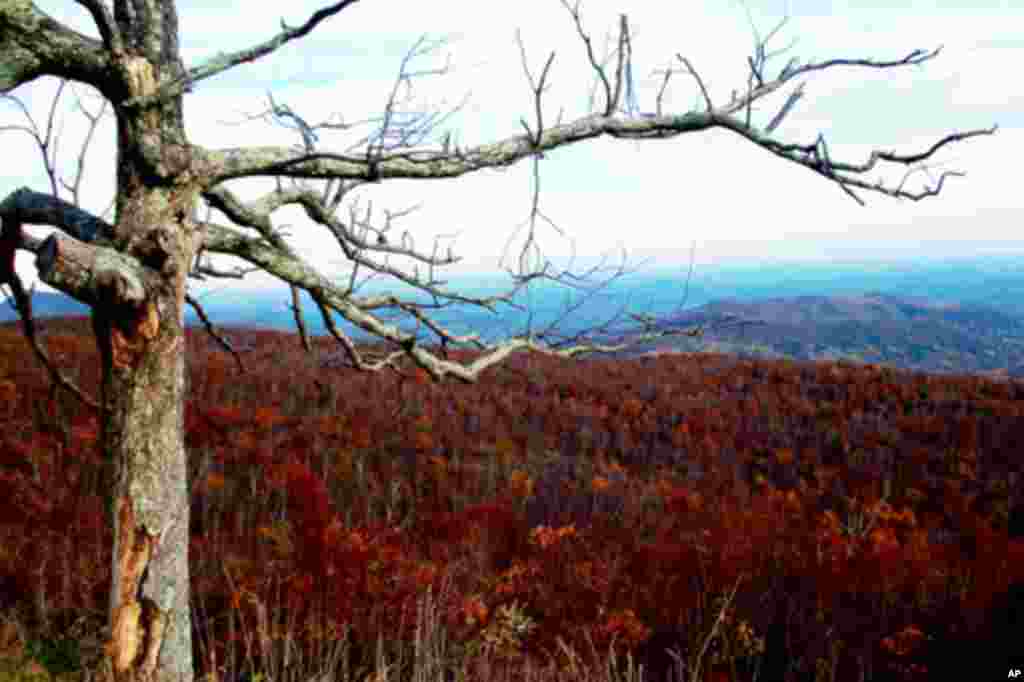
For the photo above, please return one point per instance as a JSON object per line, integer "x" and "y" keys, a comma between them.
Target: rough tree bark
{"x": 133, "y": 272}
{"x": 139, "y": 327}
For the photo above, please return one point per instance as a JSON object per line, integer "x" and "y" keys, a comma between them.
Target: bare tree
{"x": 133, "y": 271}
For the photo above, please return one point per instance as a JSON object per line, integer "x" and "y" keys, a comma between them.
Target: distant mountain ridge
{"x": 907, "y": 332}
{"x": 873, "y": 308}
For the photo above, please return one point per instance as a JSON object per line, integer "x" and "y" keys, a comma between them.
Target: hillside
{"x": 906, "y": 332}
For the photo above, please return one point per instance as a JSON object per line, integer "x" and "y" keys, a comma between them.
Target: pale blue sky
{"x": 653, "y": 198}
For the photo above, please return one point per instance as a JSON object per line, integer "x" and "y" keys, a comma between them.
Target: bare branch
{"x": 352, "y": 353}
{"x": 104, "y": 21}
{"x": 212, "y": 331}
{"x": 664, "y": 86}
{"x": 598, "y": 68}
{"x": 810, "y": 157}
{"x": 693, "y": 72}
{"x": 524, "y": 272}
{"x": 432, "y": 164}
{"x": 300, "y": 324}
{"x": 203, "y": 269}
{"x": 790, "y": 72}
{"x": 46, "y": 140}
{"x": 398, "y": 129}
{"x": 256, "y": 215}
{"x": 435, "y": 164}
{"x": 94, "y": 120}
{"x": 34, "y": 208}
{"x": 230, "y": 242}
{"x": 328, "y": 297}
{"x": 283, "y": 115}
{"x": 537, "y": 87}
{"x": 23, "y": 303}
{"x": 792, "y": 99}
{"x": 222, "y": 62}
{"x": 12, "y": 239}
{"x": 282, "y": 112}
{"x": 33, "y": 44}
{"x": 624, "y": 56}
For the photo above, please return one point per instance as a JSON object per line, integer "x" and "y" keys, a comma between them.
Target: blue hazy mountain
{"x": 931, "y": 314}
{"x": 907, "y": 332}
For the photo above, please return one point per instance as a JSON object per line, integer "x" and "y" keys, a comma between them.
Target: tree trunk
{"x": 139, "y": 327}
{"x": 149, "y": 601}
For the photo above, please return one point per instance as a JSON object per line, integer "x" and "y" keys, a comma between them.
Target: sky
{"x": 713, "y": 191}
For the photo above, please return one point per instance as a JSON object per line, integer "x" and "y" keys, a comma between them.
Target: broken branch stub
{"x": 94, "y": 275}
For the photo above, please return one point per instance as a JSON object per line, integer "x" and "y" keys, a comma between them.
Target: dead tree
{"x": 133, "y": 270}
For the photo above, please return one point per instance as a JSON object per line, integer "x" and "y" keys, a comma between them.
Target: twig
{"x": 225, "y": 344}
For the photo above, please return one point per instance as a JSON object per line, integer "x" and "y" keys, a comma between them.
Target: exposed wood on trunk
{"x": 138, "y": 624}
{"x": 144, "y": 387}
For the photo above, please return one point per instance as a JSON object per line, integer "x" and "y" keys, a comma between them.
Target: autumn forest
{"x": 764, "y": 519}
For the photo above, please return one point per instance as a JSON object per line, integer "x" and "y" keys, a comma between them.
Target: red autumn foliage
{"x": 606, "y": 499}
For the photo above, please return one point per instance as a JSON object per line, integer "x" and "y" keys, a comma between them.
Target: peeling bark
{"x": 138, "y": 624}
